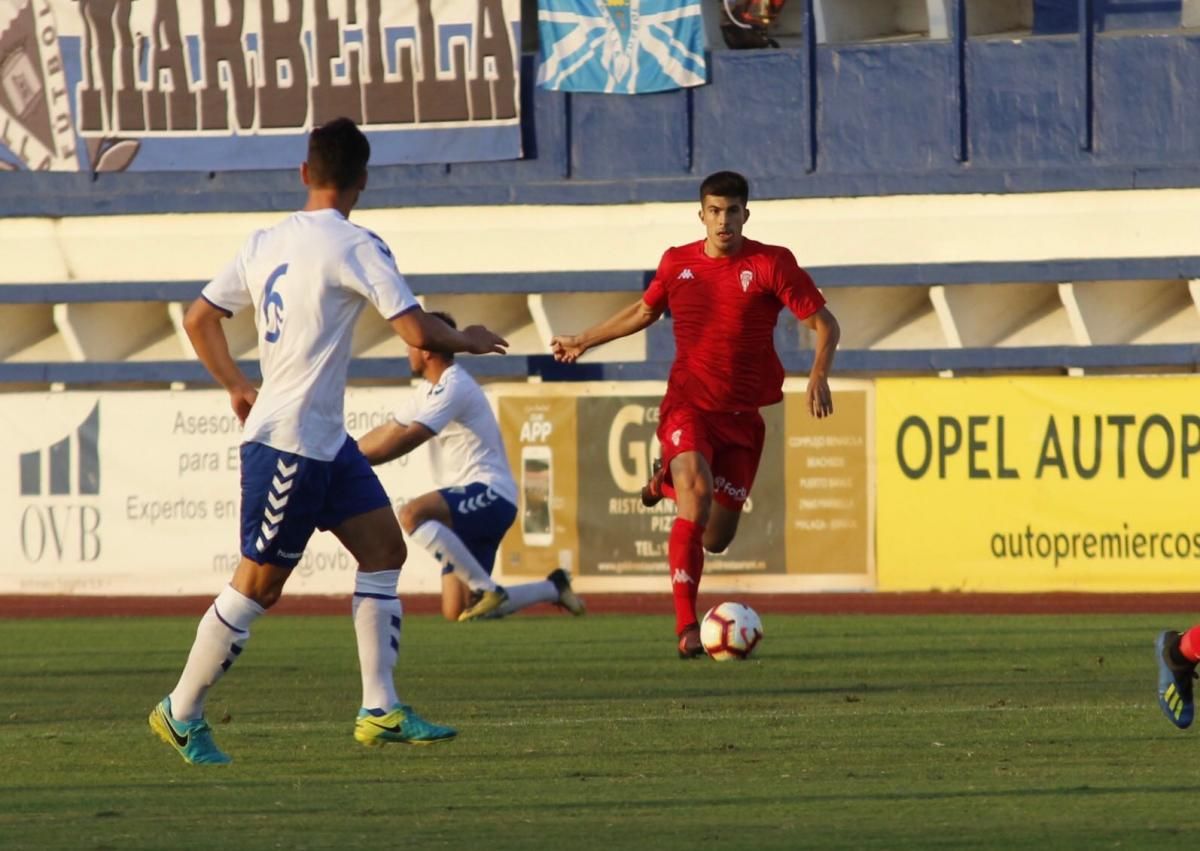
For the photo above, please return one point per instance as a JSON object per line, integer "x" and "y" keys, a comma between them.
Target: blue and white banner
{"x": 217, "y": 85}
{"x": 620, "y": 46}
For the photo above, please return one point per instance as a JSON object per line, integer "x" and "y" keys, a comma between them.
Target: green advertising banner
{"x": 582, "y": 455}
{"x": 618, "y": 535}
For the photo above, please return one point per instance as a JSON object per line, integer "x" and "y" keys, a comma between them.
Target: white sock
{"x": 377, "y": 617}
{"x": 220, "y": 636}
{"x": 528, "y": 594}
{"x": 450, "y": 551}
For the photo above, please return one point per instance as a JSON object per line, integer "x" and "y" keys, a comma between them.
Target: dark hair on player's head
{"x": 725, "y": 184}
{"x": 449, "y": 320}
{"x": 337, "y": 154}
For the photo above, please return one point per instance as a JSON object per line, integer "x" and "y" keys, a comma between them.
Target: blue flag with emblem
{"x": 620, "y": 46}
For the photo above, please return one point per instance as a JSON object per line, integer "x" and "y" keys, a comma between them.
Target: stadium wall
{"x": 1091, "y": 281}
{"x": 998, "y": 107}
{"x": 94, "y": 511}
{"x": 999, "y": 484}
{"x": 978, "y": 187}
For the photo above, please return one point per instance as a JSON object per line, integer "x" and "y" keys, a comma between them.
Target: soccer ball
{"x": 730, "y": 631}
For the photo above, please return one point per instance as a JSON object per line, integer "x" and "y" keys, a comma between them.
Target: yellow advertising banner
{"x": 539, "y": 435}
{"x": 1038, "y": 484}
{"x": 827, "y": 486}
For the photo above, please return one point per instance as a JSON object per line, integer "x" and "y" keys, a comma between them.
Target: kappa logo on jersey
{"x": 676, "y": 436}
{"x": 272, "y": 306}
{"x": 746, "y": 278}
{"x": 277, "y": 500}
{"x": 680, "y": 577}
{"x": 685, "y": 275}
{"x": 482, "y": 500}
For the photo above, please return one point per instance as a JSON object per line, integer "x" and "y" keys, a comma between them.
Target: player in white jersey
{"x": 462, "y": 523}
{"x": 307, "y": 280}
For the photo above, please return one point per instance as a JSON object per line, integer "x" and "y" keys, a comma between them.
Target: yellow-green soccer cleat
{"x": 1174, "y": 682}
{"x": 192, "y": 739}
{"x": 487, "y": 603}
{"x": 567, "y": 598}
{"x": 374, "y": 727}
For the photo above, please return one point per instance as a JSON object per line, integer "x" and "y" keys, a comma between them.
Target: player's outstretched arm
{"x": 391, "y": 440}
{"x": 825, "y": 325}
{"x": 629, "y": 320}
{"x": 422, "y": 330}
{"x": 203, "y": 326}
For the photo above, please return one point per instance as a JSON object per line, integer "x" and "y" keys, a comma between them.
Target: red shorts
{"x": 731, "y": 443}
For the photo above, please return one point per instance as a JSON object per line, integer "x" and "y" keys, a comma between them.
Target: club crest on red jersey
{"x": 746, "y": 277}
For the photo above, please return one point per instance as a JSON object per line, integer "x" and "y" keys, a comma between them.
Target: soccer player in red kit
{"x": 725, "y": 293}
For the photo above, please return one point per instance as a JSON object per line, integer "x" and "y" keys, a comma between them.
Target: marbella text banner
{"x": 138, "y": 493}
{"x": 581, "y": 462}
{"x": 214, "y": 85}
{"x": 1038, "y": 484}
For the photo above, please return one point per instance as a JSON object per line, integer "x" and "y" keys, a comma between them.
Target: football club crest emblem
{"x": 746, "y": 277}
{"x": 35, "y": 121}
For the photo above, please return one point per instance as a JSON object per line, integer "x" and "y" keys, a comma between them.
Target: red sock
{"x": 1189, "y": 644}
{"x": 685, "y": 555}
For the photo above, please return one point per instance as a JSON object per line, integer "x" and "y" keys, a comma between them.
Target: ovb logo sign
{"x": 58, "y": 520}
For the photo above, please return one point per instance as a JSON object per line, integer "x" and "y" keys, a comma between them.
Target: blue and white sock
{"x": 377, "y": 618}
{"x": 440, "y": 542}
{"x": 220, "y": 637}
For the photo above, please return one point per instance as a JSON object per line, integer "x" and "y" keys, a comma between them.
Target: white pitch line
{"x": 784, "y": 716}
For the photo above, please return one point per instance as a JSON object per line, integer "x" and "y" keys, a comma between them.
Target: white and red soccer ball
{"x": 730, "y": 631}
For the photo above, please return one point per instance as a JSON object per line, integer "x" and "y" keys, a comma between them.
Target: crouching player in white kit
{"x": 307, "y": 280}
{"x": 461, "y": 524}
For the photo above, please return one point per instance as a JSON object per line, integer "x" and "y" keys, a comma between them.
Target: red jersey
{"x": 725, "y": 309}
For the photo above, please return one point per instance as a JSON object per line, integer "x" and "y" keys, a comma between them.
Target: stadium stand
{"x": 1080, "y": 112}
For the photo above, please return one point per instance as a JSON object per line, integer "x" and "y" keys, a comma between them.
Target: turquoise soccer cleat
{"x": 1174, "y": 682}
{"x": 401, "y": 725}
{"x": 192, "y": 739}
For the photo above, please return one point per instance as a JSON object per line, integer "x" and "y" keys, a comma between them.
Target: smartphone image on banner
{"x": 537, "y": 483}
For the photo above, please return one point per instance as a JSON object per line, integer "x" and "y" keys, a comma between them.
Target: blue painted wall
{"x": 1026, "y": 102}
{"x": 1113, "y": 108}
{"x": 1148, "y": 98}
{"x": 887, "y": 107}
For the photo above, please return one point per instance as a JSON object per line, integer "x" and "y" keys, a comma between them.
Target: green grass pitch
{"x": 844, "y": 732}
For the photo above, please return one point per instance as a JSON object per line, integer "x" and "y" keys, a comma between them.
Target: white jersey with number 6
{"x": 467, "y": 446}
{"x": 307, "y": 278}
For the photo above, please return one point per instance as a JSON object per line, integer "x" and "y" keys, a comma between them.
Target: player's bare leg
{"x": 262, "y": 583}
{"x": 721, "y": 529}
{"x": 224, "y": 630}
{"x": 428, "y": 522}
{"x": 221, "y": 635}
{"x": 654, "y": 489}
{"x": 456, "y": 597}
{"x": 693, "y": 485}
{"x": 376, "y": 543}
{"x": 554, "y": 589}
